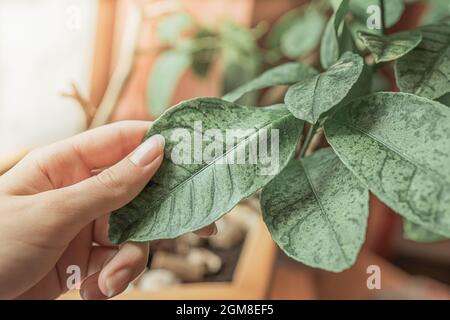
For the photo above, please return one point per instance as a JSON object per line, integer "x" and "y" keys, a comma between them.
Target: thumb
{"x": 114, "y": 187}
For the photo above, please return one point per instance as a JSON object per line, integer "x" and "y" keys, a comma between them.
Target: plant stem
{"x": 383, "y": 19}
{"x": 306, "y": 143}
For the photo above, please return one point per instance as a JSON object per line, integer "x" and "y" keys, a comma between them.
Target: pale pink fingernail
{"x": 148, "y": 151}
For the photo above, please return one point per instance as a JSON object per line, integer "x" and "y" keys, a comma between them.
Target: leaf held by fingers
{"x": 189, "y": 192}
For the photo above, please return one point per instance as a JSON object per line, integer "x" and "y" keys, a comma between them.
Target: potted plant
{"x": 395, "y": 145}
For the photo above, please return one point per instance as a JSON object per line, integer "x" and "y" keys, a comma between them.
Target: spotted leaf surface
{"x": 399, "y": 145}
{"x": 415, "y": 232}
{"x": 425, "y": 71}
{"x": 284, "y": 74}
{"x": 316, "y": 211}
{"x": 189, "y": 193}
{"x": 310, "y": 98}
{"x": 392, "y": 47}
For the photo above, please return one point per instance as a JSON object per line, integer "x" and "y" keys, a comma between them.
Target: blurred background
{"x": 70, "y": 65}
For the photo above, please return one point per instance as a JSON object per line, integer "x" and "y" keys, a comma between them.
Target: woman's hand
{"x": 54, "y": 208}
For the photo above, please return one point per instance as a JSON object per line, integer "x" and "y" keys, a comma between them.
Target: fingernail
{"x": 118, "y": 282}
{"x": 148, "y": 151}
{"x": 214, "y": 232}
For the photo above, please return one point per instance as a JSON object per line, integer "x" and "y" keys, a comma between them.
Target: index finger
{"x": 105, "y": 146}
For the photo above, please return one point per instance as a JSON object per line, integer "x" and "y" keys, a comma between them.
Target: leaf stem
{"x": 307, "y": 142}
{"x": 383, "y": 17}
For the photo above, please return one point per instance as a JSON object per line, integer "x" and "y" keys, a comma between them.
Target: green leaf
{"x": 310, "y": 98}
{"x": 197, "y": 182}
{"x": 398, "y": 144}
{"x": 329, "y": 46}
{"x": 392, "y": 47}
{"x": 281, "y": 26}
{"x": 284, "y": 74}
{"x": 304, "y": 35}
{"x": 171, "y": 27}
{"x": 202, "y": 58}
{"x": 316, "y": 211}
{"x": 415, "y": 232}
{"x": 425, "y": 71}
{"x": 168, "y": 69}
{"x": 240, "y": 57}
{"x": 393, "y": 10}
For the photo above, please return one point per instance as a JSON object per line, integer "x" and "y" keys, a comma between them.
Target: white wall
{"x": 44, "y": 46}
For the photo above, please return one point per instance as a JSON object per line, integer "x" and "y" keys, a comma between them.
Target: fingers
{"x": 70, "y": 161}
{"x": 110, "y": 190}
{"x": 103, "y": 146}
{"x": 207, "y": 231}
{"x": 89, "y": 289}
{"x": 123, "y": 268}
{"x": 99, "y": 257}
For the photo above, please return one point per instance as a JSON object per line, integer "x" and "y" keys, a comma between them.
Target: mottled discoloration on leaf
{"x": 310, "y": 98}
{"x": 415, "y": 232}
{"x": 284, "y": 74}
{"x": 399, "y": 145}
{"x": 425, "y": 71}
{"x": 184, "y": 198}
{"x": 316, "y": 211}
{"x": 392, "y": 47}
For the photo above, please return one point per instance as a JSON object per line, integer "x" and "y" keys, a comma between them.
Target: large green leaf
{"x": 425, "y": 71}
{"x": 168, "y": 69}
{"x": 316, "y": 211}
{"x": 198, "y": 181}
{"x": 330, "y": 46}
{"x": 304, "y": 35}
{"x": 415, "y": 232}
{"x": 310, "y": 98}
{"x": 393, "y": 10}
{"x": 392, "y": 47}
{"x": 284, "y": 74}
{"x": 398, "y": 144}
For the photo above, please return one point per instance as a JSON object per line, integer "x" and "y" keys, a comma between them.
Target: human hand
{"x": 54, "y": 210}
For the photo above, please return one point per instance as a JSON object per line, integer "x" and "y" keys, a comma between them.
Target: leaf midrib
{"x": 213, "y": 163}
{"x": 324, "y": 215}
{"x": 388, "y": 146}
{"x": 425, "y": 77}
